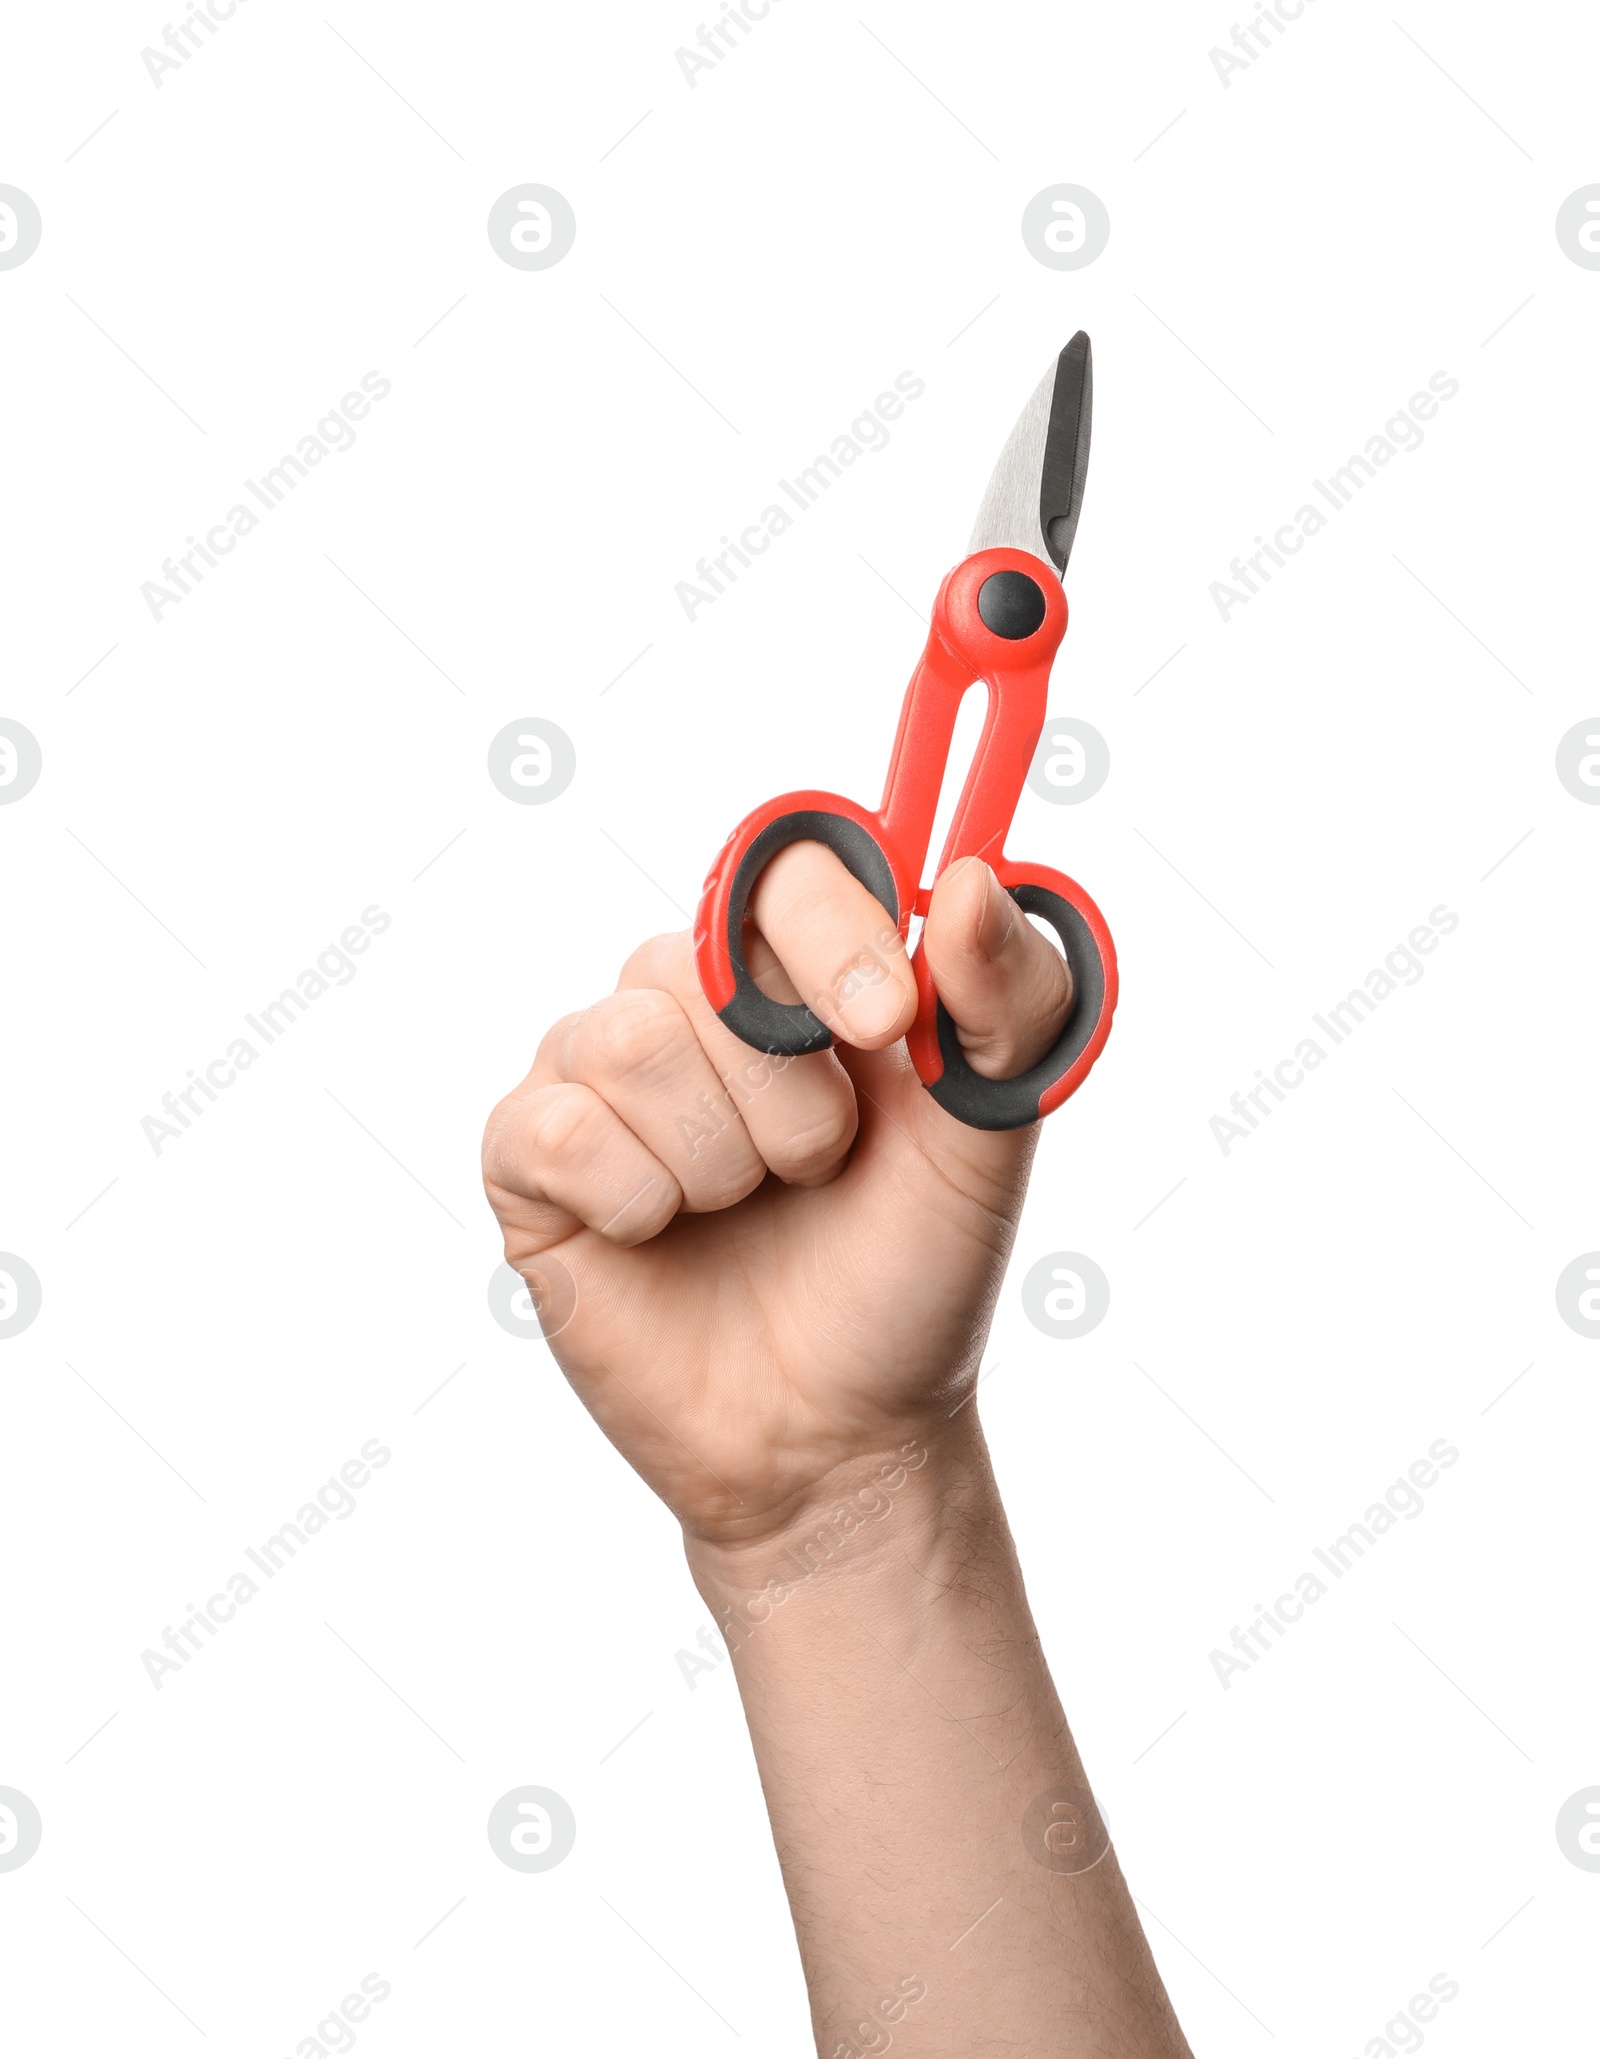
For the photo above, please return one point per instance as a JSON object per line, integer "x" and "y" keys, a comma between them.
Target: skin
{"x": 770, "y": 1282}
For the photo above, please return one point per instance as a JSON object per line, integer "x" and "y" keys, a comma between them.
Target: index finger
{"x": 838, "y": 946}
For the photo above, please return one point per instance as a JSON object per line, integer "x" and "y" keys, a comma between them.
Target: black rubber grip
{"x": 788, "y": 1029}
{"x": 1012, "y": 1104}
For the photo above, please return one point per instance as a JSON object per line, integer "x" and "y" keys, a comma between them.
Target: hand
{"x": 784, "y": 1277}
{"x": 781, "y": 1266}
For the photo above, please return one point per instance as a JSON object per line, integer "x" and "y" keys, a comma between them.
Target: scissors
{"x": 999, "y": 618}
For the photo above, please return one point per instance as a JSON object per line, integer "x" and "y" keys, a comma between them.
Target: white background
{"x": 304, "y": 735}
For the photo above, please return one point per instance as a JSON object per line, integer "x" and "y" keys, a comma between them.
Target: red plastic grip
{"x": 887, "y": 848}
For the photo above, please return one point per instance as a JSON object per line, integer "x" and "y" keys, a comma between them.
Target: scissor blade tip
{"x": 1033, "y": 496}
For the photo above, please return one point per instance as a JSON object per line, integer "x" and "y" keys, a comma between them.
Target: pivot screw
{"x": 1011, "y": 605}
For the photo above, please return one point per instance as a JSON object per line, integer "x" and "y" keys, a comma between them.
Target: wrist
{"x": 867, "y": 1520}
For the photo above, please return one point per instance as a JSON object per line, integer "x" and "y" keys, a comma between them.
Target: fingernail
{"x": 998, "y": 917}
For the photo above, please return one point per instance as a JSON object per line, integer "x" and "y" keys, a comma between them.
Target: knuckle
{"x": 634, "y": 1030}
{"x": 797, "y": 890}
{"x": 492, "y": 1151}
{"x": 804, "y": 1153}
{"x": 644, "y": 1214}
{"x": 750, "y": 1076}
{"x": 1051, "y": 984}
{"x": 713, "y": 1154}
{"x": 505, "y": 1144}
{"x": 557, "y": 1038}
{"x": 705, "y": 1195}
{"x": 877, "y": 956}
{"x": 788, "y": 872}
{"x": 559, "y": 1120}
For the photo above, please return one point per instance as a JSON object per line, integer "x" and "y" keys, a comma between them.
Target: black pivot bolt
{"x": 1011, "y": 605}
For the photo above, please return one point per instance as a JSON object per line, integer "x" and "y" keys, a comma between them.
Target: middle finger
{"x": 638, "y": 1051}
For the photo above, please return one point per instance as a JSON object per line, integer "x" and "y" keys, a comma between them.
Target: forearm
{"x": 950, "y": 1879}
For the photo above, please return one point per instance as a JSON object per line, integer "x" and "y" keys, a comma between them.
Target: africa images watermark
{"x": 872, "y": 1503}
{"x": 335, "y": 1501}
{"x": 335, "y": 2032}
{"x": 868, "y": 432}
{"x": 1402, "y": 432}
{"x": 1401, "y": 1500}
{"x": 1402, "y": 967}
{"x": 333, "y": 433}
{"x": 335, "y": 966}
{"x": 1403, "y": 2033}
{"x": 1252, "y": 41}
{"x": 183, "y": 41}
{"x": 867, "y": 2037}
{"x": 719, "y": 41}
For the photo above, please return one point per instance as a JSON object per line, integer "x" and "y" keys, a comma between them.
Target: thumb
{"x": 1006, "y": 988}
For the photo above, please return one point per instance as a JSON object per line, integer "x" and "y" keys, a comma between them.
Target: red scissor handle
{"x": 999, "y": 618}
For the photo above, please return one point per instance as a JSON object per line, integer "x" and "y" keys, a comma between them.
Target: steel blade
{"x": 1036, "y": 490}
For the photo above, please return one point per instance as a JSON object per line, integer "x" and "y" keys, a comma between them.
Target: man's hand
{"x": 781, "y": 1265}
{"x": 784, "y": 1275}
